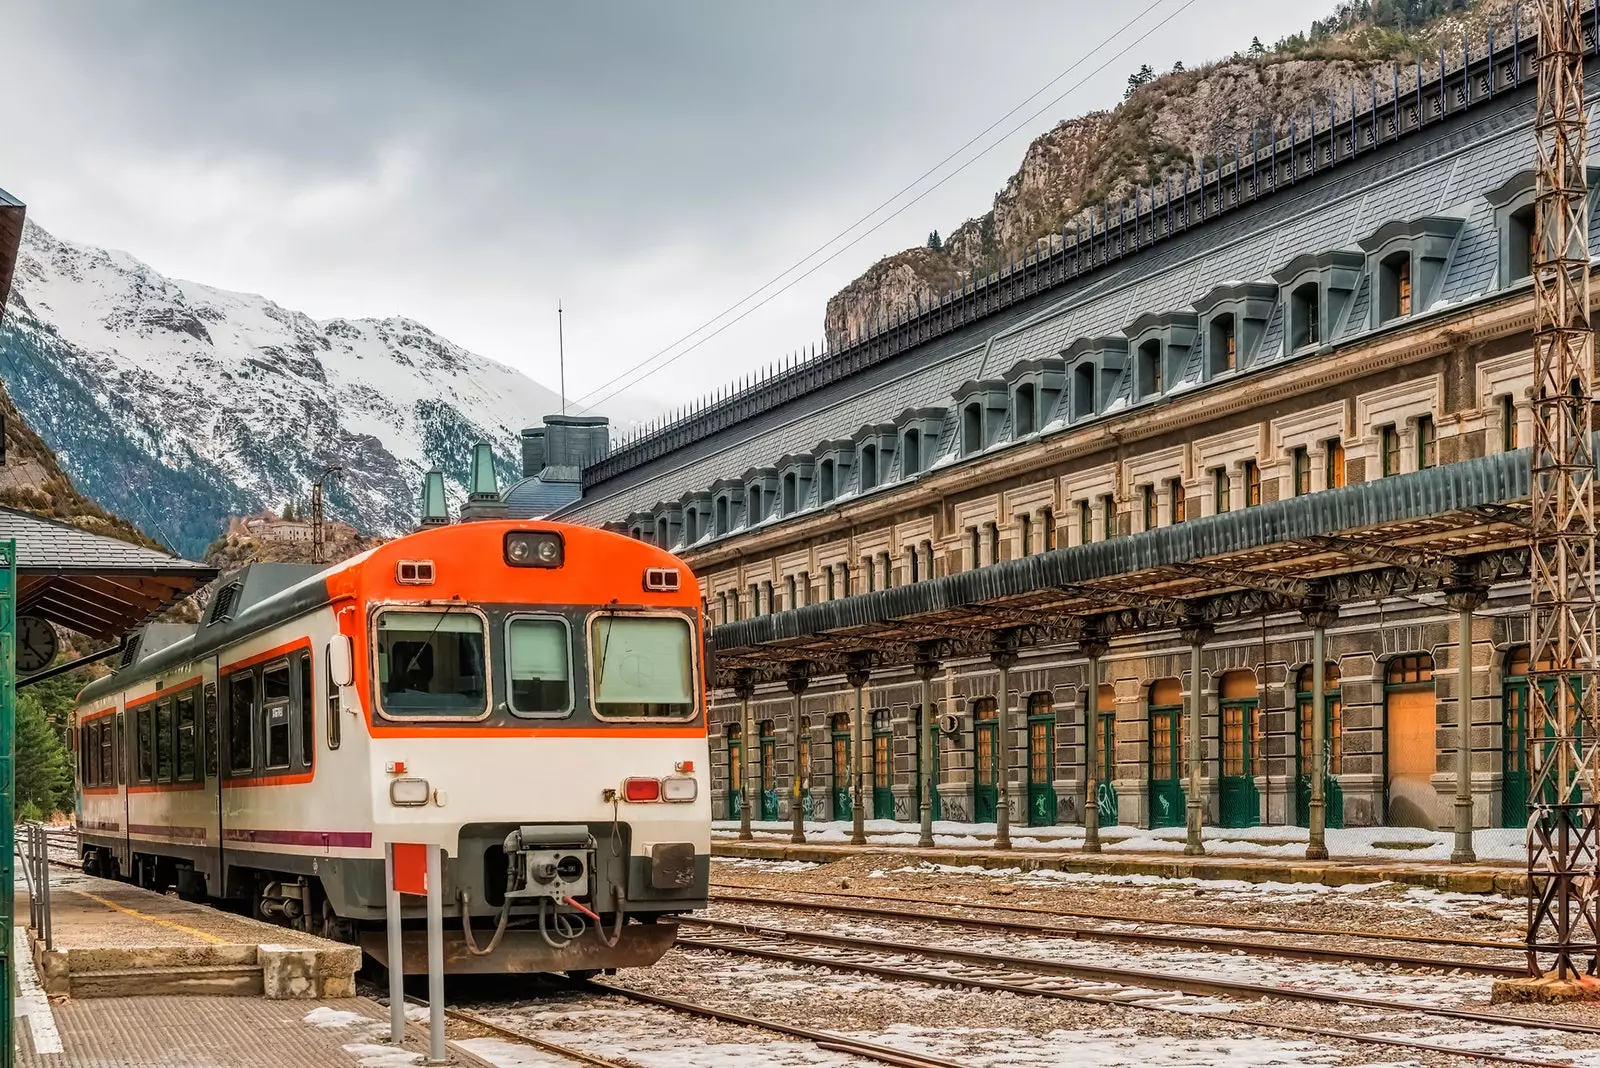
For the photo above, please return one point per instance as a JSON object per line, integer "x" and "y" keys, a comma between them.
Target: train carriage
{"x": 527, "y": 696}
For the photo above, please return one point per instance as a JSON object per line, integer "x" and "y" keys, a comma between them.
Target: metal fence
{"x": 34, "y": 845}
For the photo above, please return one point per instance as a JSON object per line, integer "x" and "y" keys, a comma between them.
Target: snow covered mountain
{"x": 174, "y": 404}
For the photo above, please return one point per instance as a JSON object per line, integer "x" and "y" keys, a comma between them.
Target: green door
{"x": 1514, "y": 753}
{"x": 986, "y": 749}
{"x": 769, "y": 773}
{"x": 916, "y": 778}
{"x": 808, "y": 805}
{"x": 1332, "y": 792}
{"x": 1106, "y": 787}
{"x": 1041, "y": 766}
{"x": 842, "y": 778}
{"x": 735, "y": 772}
{"x": 1166, "y": 782}
{"x": 882, "y": 766}
{"x": 1240, "y": 800}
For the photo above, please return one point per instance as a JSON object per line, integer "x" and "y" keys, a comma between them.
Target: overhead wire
{"x": 615, "y": 380}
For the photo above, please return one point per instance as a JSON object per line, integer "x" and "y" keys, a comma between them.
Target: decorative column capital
{"x": 858, "y": 669}
{"x": 744, "y": 684}
{"x": 1197, "y": 633}
{"x": 1319, "y": 616}
{"x": 927, "y": 662}
{"x": 799, "y": 677}
{"x": 1004, "y": 652}
{"x": 1465, "y": 598}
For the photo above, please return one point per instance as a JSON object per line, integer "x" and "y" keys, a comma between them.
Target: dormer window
{"x": 1224, "y": 345}
{"x": 1083, "y": 390}
{"x": 825, "y": 472}
{"x": 971, "y": 428}
{"x": 911, "y": 452}
{"x": 753, "y": 505}
{"x": 1522, "y": 244}
{"x": 1394, "y": 287}
{"x": 722, "y": 515}
{"x": 1024, "y": 404}
{"x": 869, "y": 466}
{"x": 661, "y": 534}
{"x": 1305, "y": 327}
{"x": 791, "y": 493}
{"x": 1150, "y": 368}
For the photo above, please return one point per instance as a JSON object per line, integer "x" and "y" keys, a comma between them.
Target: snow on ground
{"x": 324, "y": 1016}
{"x": 1100, "y": 1048}
{"x": 504, "y": 1054}
{"x": 1390, "y": 843}
{"x": 369, "y": 1055}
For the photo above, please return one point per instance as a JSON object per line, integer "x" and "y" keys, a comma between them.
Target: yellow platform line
{"x": 203, "y": 936}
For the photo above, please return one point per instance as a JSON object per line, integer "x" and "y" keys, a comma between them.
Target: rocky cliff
{"x": 1169, "y": 124}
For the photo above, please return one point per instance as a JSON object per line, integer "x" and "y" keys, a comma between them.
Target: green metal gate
{"x": 1514, "y": 753}
{"x": 1166, "y": 777}
{"x": 842, "y": 778}
{"x": 1041, "y": 761}
{"x": 769, "y": 770}
{"x": 1333, "y": 725}
{"x": 1106, "y": 790}
{"x": 882, "y": 765}
{"x": 916, "y": 778}
{"x": 986, "y": 760}
{"x": 1240, "y": 800}
{"x": 735, "y": 771}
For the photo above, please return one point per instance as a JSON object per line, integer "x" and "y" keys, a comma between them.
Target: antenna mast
{"x": 561, "y": 354}
{"x": 1564, "y": 602}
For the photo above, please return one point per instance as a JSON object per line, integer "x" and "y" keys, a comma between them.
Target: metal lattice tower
{"x": 1564, "y": 608}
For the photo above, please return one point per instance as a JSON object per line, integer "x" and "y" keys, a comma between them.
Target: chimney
{"x": 533, "y": 451}
{"x": 574, "y": 440}
{"x": 483, "y": 491}
{"x": 435, "y": 512}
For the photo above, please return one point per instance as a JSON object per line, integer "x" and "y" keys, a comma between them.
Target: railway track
{"x": 742, "y": 895}
{"x": 825, "y": 1040}
{"x": 1101, "y": 934}
{"x": 1101, "y": 985}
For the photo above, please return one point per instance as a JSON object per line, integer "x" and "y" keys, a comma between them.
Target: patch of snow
{"x": 324, "y": 1016}
{"x": 369, "y": 1055}
{"x": 503, "y": 1054}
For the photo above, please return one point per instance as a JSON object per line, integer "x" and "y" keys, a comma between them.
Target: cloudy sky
{"x": 467, "y": 165}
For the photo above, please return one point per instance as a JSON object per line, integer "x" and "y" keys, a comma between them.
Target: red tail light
{"x": 641, "y": 789}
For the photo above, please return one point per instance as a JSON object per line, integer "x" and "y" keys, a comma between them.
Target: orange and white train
{"x": 526, "y": 696}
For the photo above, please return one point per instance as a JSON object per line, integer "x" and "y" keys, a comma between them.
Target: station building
{"x": 1330, "y": 335}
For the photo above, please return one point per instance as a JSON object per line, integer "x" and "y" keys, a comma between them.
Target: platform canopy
{"x": 1461, "y": 526}
{"x": 96, "y": 585}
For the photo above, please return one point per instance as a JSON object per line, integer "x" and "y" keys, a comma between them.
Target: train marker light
{"x": 409, "y": 792}
{"x": 395, "y": 767}
{"x": 414, "y": 572}
{"x": 678, "y": 788}
{"x": 661, "y": 579}
{"x": 640, "y": 790}
{"x": 684, "y": 767}
{"x": 534, "y": 548}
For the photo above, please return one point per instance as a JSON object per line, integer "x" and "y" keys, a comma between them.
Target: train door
{"x": 211, "y": 746}
{"x": 768, "y": 741}
{"x": 1106, "y": 786}
{"x": 123, "y": 851}
{"x": 841, "y": 767}
{"x": 986, "y": 749}
{"x": 1167, "y": 798}
{"x": 1041, "y": 761}
{"x": 882, "y": 765}
{"x": 735, "y": 770}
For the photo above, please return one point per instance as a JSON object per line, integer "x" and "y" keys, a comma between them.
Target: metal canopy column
{"x": 1318, "y": 618}
{"x": 1465, "y": 601}
{"x": 749, "y": 752}
{"x": 1093, "y": 648}
{"x": 798, "y": 680}
{"x": 927, "y": 666}
{"x": 857, "y": 678}
{"x": 1004, "y": 657}
{"x": 1196, "y": 636}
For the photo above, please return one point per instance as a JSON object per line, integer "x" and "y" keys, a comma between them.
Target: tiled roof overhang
{"x": 1460, "y": 525}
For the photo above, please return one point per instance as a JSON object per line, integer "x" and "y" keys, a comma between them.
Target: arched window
{"x": 1333, "y": 704}
{"x": 1083, "y": 398}
{"x": 869, "y": 466}
{"x": 1394, "y": 287}
{"x": 791, "y": 495}
{"x": 825, "y": 473}
{"x": 1150, "y": 368}
{"x": 1304, "y": 325}
{"x": 1223, "y": 345}
{"x": 1409, "y": 670}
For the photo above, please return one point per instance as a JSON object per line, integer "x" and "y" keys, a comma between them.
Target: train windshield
{"x": 643, "y": 667}
{"x": 538, "y": 661}
{"x": 431, "y": 664}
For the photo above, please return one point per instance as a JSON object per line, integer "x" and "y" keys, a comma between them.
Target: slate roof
{"x": 535, "y": 498}
{"x": 1445, "y": 169}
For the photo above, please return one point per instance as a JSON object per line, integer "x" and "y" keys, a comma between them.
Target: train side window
{"x": 306, "y": 712}
{"x": 106, "y": 774}
{"x": 241, "y": 716}
{"x": 146, "y": 725}
{"x": 211, "y": 739}
{"x": 164, "y": 741}
{"x": 275, "y": 692}
{"x": 334, "y": 725}
{"x": 120, "y": 755}
{"x": 187, "y": 737}
{"x": 86, "y": 768}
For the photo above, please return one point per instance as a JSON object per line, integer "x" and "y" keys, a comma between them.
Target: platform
{"x": 112, "y": 938}
{"x": 219, "y": 1032}
{"x": 1275, "y": 861}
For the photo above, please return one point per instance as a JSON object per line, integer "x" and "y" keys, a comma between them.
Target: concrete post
{"x": 1093, "y": 760}
{"x": 1196, "y": 636}
{"x": 749, "y": 752}
{"x": 857, "y": 677}
{"x": 798, "y": 681}
{"x": 1318, "y": 618}
{"x": 1004, "y": 657}
{"x": 436, "y": 957}
{"x": 1465, "y": 601}
{"x": 927, "y": 667}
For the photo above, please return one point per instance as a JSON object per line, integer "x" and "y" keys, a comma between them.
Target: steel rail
{"x": 1114, "y": 917}
{"x": 1198, "y": 942}
{"x": 1004, "y": 986}
{"x": 578, "y": 1055}
{"x": 823, "y": 1039}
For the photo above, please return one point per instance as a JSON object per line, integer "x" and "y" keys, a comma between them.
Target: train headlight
{"x": 679, "y": 788}
{"x": 409, "y": 792}
{"x": 534, "y": 548}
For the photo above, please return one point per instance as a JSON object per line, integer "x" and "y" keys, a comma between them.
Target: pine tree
{"x": 288, "y": 511}
{"x": 935, "y": 242}
{"x": 44, "y": 774}
{"x": 1177, "y": 68}
{"x": 1257, "y": 49}
{"x": 1143, "y": 76}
